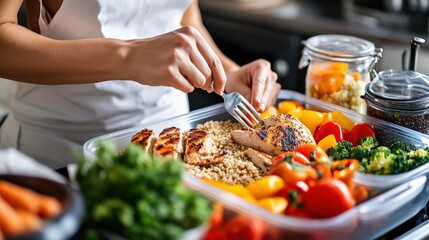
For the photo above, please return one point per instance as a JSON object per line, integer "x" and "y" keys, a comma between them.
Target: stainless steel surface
{"x": 241, "y": 110}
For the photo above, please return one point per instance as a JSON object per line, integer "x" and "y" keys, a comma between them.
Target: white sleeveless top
{"x": 46, "y": 120}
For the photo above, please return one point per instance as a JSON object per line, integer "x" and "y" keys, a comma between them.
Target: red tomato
{"x": 214, "y": 234}
{"x": 296, "y": 157}
{"x": 313, "y": 152}
{"x": 287, "y": 166}
{"x": 243, "y": 227}
{"x": 327, "y": 198}
{"x": 327, "y": 129}
{"x": 359, "y": 131}
{"x": 293, "y": 193}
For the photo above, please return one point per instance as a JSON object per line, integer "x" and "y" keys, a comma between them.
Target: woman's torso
{"x": 79, "y": 112}
{"x": 105, "y": 106}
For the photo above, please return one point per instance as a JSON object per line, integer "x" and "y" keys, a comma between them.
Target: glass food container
{"x": 338, "y": 69}
{"x": 401, "y": 96}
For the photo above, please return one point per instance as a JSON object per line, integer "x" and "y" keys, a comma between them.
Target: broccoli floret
{"x": 369, "y": 142}
{"x": 360, "y": 152}
{"x": 400, "y": 147}
{"x": 418, "y": 157}
{"x": 341, "y": 150}
{"x": 381, "y": 161}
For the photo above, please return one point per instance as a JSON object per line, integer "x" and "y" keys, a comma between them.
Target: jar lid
{"x": 340, "y": 48}
{"x": 399, "y": 89}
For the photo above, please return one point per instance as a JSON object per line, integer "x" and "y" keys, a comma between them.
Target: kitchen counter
{"x": 304, "y": 17}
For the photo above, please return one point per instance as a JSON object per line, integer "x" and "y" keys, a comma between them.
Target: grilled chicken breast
{"x": 169, "y": 144}
{"x": 282, "y": 132}
{"x": 145, "y": 138}
{"x": 260, "y": 159}
{"x": 200, "y": 149}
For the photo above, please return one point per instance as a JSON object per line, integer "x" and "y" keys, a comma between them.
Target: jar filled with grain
{"x": 400, "y": 97}
{"x": 338, "y": 69}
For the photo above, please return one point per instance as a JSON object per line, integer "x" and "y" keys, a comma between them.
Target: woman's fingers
{"x": 213, "y": 61}
{"x": 261, "y": 74}
{"x": 203, "y": 68}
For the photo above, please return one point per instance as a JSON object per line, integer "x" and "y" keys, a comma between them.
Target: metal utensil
{"x": 241, "y": 110}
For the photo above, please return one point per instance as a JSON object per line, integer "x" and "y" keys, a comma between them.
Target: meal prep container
{"x": 399, "y": 197}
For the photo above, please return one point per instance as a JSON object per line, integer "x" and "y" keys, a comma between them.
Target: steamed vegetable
{"x": 138, "y": 197}
{"x": 382, "y": 160}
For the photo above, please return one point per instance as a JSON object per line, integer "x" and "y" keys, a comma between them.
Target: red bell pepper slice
{"x": 327, "y": 129}
{"x": 360, "y": 131}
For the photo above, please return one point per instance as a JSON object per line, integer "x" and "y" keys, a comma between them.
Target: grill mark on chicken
{"x": 289, "y": 139}
{"x": 200, "y": 149}
{"x": 169, "y": 143}
{"x": 262, "y": 134}
{"x": 145, "y": 138}
{"x": 282, "y": 132}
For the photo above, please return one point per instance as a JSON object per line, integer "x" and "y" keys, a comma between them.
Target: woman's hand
{"x": 256, "y": 82}
{"x": 181, "y": 59}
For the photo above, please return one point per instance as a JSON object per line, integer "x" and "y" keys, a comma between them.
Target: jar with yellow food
{"x": 338, "y": 69}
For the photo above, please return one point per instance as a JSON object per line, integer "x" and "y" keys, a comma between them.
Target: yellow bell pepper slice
{"x": 327, "y": 142}
{"x": 343, "y": 120}
{"x": 274, "y": 204}
{"x": 266, "y": 186}
{"x": 312, "y": 119}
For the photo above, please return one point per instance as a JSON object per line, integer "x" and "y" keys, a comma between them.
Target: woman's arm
{"x": 181, "y": 59}
{"x": 29, "y": 57}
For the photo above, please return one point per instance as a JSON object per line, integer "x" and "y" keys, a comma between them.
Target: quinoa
{"x": 236, "y": 167}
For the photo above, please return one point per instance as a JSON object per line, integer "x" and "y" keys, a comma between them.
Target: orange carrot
{"x": 19, "y": 197}
{"x": 10, "y": 221}
{"x": 49, "y": 206}
{"x": 30, "y": 221}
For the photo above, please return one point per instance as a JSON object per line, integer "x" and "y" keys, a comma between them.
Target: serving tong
{"x": 241, "y": 110}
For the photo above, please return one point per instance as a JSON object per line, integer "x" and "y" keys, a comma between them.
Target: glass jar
{"x": 338, "y": 69}
{"x": 400, "y": 97}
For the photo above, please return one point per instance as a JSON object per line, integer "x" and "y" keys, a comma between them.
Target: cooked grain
{"x": 236, "y": 168}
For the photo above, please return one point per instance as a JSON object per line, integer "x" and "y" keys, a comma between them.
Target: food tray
{"x": 367, "y": 220}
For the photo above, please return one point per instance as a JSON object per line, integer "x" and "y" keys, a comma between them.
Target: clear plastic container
{"x": 399, "y": 196}
{"x": 338, "y": 69}
{"x": 400, "y": 97}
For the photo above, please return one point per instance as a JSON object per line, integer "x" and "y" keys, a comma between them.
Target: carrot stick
{"x": 49, "y": 206}
{"x": 19, "y": 197}
{"x": 30, "y": 221}
{"x": 10, "y": 221}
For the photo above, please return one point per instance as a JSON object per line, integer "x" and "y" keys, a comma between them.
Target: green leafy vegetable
{"x": 138, "y": 197}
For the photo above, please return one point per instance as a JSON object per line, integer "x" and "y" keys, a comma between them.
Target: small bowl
{"x": 63, "y": 226}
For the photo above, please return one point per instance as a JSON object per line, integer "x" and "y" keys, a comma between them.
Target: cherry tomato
{"x": 344, "y": 171}
{"x": 293, "y": 193}
{"x": 327, "y": 129}
{"x": 246, "y": 228}
{"x": 313, "y": 153}
{"x": 296, "y": 157}
{"x": 289, "y": 170}
{"x": 327, "y": 198}
{"x": 359, "y": 131}
{"x": 214, "y": 234}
